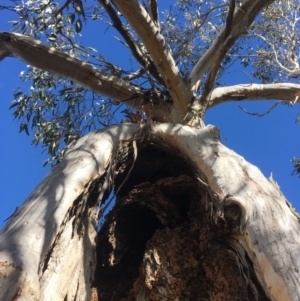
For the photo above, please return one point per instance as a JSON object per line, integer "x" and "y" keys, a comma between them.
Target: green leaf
{"x": 51, "y": 39}
{"x": 78, "y": 8}
{"x": 93, "y": 49}
{"x": 13, "y": 22}
{"x": 13, "y": 105}
{"x": 78, "y": 26}
{"x": 24, "y": 127}
{"x": 72, "y": 19}
{"x": 63, "y": 91}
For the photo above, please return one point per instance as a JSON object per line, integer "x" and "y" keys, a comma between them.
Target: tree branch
{"x": 50, "y": 59}
{"x": 229, "y": 17}
{"x": 154, "y": 42}
{"x": 143, "y": 59}
{"x": 242, "y": 19}
{"x": 281, "y": 91}
{"x": 261, "y": 114}
{"x": 295, "y": 71}
{"x": 214, "y": 70}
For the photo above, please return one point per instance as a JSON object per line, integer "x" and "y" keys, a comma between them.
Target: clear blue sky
{"x": 269, "y": 142}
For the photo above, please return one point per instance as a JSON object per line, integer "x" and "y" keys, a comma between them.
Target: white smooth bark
{"x": 281, "y": 91}
{"x": 27, "y": 237}
{"x": 295, "y": 71}
{"x": 50, "y": 59}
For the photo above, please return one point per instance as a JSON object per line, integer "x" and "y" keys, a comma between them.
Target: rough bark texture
{"x": 159, "y": 244}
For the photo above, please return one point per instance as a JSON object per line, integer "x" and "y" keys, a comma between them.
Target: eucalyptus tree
{"x": 193, "y": 220}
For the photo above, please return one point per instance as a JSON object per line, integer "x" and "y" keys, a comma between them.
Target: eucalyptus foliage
{"x": 58, "y": 111}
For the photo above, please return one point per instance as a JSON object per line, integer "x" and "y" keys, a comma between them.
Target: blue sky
{"x": 269, "y": 142}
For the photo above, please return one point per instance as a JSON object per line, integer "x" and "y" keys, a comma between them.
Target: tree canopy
{"x": 198, "y": 42}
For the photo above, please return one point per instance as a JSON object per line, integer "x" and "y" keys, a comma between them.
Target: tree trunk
{"x": 192, "y": 221}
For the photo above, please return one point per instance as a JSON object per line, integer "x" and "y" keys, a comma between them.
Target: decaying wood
{"x": 162, "y": 241}
{"x": 159, "y": 245}
{"x": 268, "y": 229}
{"x": 193, "y": 220}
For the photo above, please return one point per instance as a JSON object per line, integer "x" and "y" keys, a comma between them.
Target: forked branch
{"x": 214, "y": 70}
{"x": 141, "y": 56}
{"x": 241, "y": 20}
{"x": 209, "y": 84}
{"x": 155, "y": 44}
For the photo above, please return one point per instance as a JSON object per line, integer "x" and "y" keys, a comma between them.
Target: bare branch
{"x": 209, "y": 84}
{"x": 153, "y": 11}
{"x": 282, "y": 91}
{"x": 295, "y": 71}
{"x": 135, "y": 74}
{"x": 50, "y": 59}
{"x": 229, "y": 18}
{"x": 154, "y": 42}
{"x": 242, "y": 19}
{"x": 261, "y": 114}
{"x": 140, "y": 56}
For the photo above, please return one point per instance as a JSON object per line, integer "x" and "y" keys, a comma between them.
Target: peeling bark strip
{"x": 35, "y": 243}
